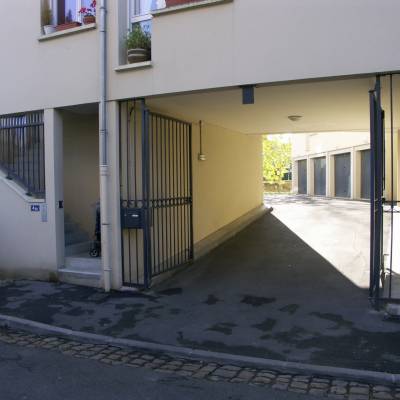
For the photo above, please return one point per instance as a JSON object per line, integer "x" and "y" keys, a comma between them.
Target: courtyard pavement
{"x": 291, "y": 286}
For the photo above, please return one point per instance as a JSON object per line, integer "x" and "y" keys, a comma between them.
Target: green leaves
{"x": 277, "y": 159}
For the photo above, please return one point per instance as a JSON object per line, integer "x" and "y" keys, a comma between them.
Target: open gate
{"x": 383, "y": 200}
{"x": 156, "y": 193}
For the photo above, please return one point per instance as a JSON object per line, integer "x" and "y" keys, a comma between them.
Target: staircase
{"x": 79, "y": 268}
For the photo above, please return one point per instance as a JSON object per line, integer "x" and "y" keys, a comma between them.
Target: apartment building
{"x": 165, "y": 129}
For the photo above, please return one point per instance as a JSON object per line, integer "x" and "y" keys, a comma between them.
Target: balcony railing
{"x": 22, "y": 151}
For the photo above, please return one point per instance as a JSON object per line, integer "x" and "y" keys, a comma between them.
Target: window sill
{"x": 189, "y": 6}
{"x": 67, "y": 32}
{"x": 129, "y": 67}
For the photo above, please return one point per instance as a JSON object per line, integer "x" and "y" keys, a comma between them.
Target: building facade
{"x": 171, "y": 145}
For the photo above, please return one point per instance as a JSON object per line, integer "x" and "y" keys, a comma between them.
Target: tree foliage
{"x": 277, "y": 159}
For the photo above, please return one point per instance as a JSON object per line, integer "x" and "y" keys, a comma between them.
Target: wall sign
{"x": 35, "y": 207}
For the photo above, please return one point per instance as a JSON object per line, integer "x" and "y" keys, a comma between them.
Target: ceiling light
{"x": 295, "y": 118}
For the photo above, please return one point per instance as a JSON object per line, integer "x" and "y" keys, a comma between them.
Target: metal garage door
{"x": 320, "y": 176}
{"x": 342, "y": 175}
{"x": 365, "y": 174}
{"x": 302, "y": 176}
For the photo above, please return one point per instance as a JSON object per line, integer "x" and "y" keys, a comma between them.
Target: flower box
{"x": 172, "y": 3}
{"x": 68, "y": 25}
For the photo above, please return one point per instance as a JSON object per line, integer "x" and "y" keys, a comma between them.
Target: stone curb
{"x": 371, "y": 377}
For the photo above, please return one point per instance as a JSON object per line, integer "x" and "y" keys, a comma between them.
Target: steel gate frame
{"x": 378, "y": 293}
{"x": 157, "y": 213}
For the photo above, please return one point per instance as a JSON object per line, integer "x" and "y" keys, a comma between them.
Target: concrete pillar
{"x": 330, "y": 161}
{"x": 310, "y": 176}
{"x": 114, "y": 194}
{"x": 295, "y": 174}
{"x": 53, "y": 141}
{"x": 353, "y": 173}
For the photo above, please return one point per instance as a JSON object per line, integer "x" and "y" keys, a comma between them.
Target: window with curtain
{"x": 68, "y": 10}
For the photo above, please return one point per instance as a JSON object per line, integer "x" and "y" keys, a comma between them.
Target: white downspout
{"x": 104, "y": 168}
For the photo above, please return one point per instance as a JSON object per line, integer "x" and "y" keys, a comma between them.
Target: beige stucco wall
{"x": 81, "y": 168}
{"x": 229, "y": 183}
{"x": 315, "y": 143}
{"x": 253, "y": 41}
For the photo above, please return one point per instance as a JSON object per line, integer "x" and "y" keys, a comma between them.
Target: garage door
{"x": 302, "y": 176}
{"x": 320, "y": 176}
{"x": 365, "y": 174}
{"x": 342, "y": 175}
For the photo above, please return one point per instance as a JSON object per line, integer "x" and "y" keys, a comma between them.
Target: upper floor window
{"x": 140, "y": 12}
{"x": 66, "y": 11}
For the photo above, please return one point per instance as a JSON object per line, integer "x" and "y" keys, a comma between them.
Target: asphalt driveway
{"x": 291, "y": 286}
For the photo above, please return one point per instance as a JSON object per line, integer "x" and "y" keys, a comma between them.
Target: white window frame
{"x": 133, "y": 19}
{"x": 54, "y": 7}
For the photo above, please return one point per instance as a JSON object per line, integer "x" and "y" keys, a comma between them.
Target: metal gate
{"x": 156, "y": 193}
{"x": 384, "y": 211}
{"x": 302, "y": 176}
{"x": 320, "y": 176}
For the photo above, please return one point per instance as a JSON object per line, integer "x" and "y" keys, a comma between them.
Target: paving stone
{"x": 318, "y": 385}
{"x": 248, "y": 375}
{"x": 267, "y": 374}
{"x": 338, "y": 382}
{"x": 262, "y": 380}
{"x": 338, "y": 390}
{"x": 299, "y": 385}
{"x": 379, "y": 388}
{"x": 359, "y": 390}
{"x": 358, "y": 397}
{"x": 280, "y": 386}
{"x": 382, "y": 396}
{"x": 317, "y": 392}
{"x": 226, "y": 373}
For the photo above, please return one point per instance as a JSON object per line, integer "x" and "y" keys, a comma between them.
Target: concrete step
{"x": 82, "y": 278}
{"x": 78, "y": 248}
{"x": 83, "y": 263}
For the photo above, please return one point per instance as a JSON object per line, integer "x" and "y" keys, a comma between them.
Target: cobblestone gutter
{"x": 113, "y": 355}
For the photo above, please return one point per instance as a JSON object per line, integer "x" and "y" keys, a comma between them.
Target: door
{"x": 342, "y": 175}
{"x": 156, "y": 193}
{"x": 320, "y": 176}
{"x": 365, "y": 174}
{"x": 302, "y": 176}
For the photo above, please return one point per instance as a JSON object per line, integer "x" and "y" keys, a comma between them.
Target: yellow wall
{"x": 229, "y": 183}
{"x": 81, "y": 175}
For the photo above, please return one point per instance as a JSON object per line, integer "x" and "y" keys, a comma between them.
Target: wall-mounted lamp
{"x": 201, "y": 156}
{"x": 247, "y": 94}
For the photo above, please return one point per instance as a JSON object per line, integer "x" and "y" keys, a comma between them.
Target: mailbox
{"x": 132, "y": 218}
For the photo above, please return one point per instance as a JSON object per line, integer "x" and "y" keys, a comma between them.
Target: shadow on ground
{"x": 263, "y": 293}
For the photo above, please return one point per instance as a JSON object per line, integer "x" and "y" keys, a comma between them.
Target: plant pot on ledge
{"x": 172, "y": 3}
{"x": 68, "y": 25}
{"x": 137, "y": 55}
{"x": 89, "y": 19}
{"x": 48, "y": 29}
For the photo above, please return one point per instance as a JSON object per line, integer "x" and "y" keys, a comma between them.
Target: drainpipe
{"x": 104, "y": 168}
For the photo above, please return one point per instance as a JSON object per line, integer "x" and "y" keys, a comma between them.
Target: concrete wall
{"x": 315, "y": 143}
{"x": 32, "y": 243}
{"x": 81, "y": 168}
{"x": 229, "y": 183}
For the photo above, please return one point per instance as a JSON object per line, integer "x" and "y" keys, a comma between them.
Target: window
{"x": 140, "y": 12}
{"x": 65, "y": 11}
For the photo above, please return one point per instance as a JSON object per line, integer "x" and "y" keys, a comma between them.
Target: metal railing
{"x": 22, "y": 151}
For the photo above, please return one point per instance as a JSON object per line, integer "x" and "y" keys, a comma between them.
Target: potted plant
{"x": 171, "y": 3}
{"x": 47, "y": 18}
{"x": 89, "y": 13}
{"x": 69, "y": 23}
{"x": 138, "y": 45}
